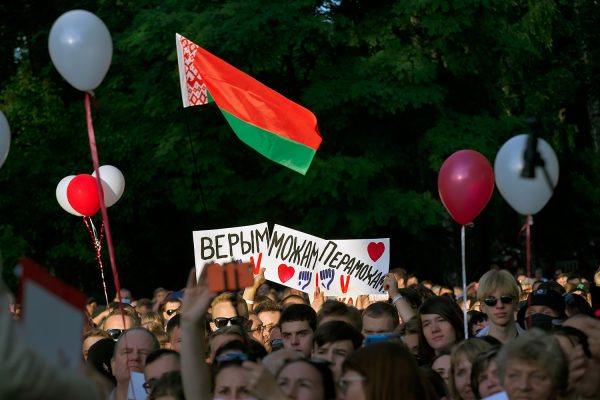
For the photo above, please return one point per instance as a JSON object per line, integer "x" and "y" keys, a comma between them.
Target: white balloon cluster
{"x": 113, "y": 186}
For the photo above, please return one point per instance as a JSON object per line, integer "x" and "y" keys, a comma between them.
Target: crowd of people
{"x": 525, "y": 338}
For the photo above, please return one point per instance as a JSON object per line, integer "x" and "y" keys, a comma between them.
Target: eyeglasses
{"x": 149, "y": 385}
{"x": 259, "y": 329}
{"x": 343, "y": 383}
{"x": 268, "y": 328}
{"x": 115, "y": 333}
{"x": 221, "y": 322}
{"x": 171, "y": 312}
{"x": 492, "y": 301}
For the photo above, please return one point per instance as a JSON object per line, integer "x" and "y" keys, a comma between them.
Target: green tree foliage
{"x": 397, "y": 86}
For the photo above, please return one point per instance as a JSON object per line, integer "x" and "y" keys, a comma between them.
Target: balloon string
{"x": 528, "y": 223}
{"x": 527, "y": 228}
{"x": 98, "y": 247}
{"x": 464, "y": 279}
{"x": 109, "y": 242}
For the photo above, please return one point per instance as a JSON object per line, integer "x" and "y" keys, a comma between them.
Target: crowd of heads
{"x": 528, "y": 337}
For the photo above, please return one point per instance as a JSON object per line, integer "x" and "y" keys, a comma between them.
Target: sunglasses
{"x": 115, "y": 333}
{"x": 171, "y": 312}
{"x": 221, "y": 322}
{"x": 492, "y": 301}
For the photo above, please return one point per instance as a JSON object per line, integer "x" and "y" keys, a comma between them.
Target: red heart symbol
{"x": 375, "y": 250}
{"x": 285, "y": 272}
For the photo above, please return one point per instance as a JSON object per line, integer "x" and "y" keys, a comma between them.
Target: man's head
{"x": 143, "y": 306}
{"x": 410, "y": 335}
{"x": 160, "y": 362}
{"x": 401, "y": 277}
{"x": 298, "y": 323}
{"x": 379, "y": 317}
{"x": 498, "y": 293}
{"x": 543, "y": 307}
{"x": 333, "y": 342}
{"x": 131, "y": 351}
{"x": 116, "y": 323}
{"x": 333, "y": 310}
{"x": 226, "y": 306}
{"x": 174, "y": 332}
{"x": 222, "y": 336}
{"x": 269, "y": 313}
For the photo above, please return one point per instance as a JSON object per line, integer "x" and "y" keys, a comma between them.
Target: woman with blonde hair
{"x": 461, "y": 360}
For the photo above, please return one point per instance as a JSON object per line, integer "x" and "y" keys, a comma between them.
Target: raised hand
{"x": 318, "y": 300}
{"x": 390, "y": 284}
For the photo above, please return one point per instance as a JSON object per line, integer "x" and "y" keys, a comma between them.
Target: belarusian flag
{"x": 273, "y": 125}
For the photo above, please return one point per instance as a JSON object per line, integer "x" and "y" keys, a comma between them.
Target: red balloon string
{"x": 527, "y": 228}
{"x": 96, "y": 163}
{"x": 97, "y": 242}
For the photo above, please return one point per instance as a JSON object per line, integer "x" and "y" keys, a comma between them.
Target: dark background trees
{"x": 397, "y": 86}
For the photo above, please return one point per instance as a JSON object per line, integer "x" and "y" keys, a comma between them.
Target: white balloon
{"x": 61, "y": 195}
{"x": 4, "y": 138}
{"x": 80, "y": 48}
{"x": 526, "y": 196}
{"x": 113, "y": 183}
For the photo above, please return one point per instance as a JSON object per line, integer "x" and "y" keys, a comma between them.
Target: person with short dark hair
{"x": 409, "y": 331}
{"x": 158, "y": 363}
{"x": 168, "y": 386}
{"x": 298, "y": 323}
{"x": 379, "y": 317}
{"x": 333, "y": 342}
{"x": 333, "y": 310}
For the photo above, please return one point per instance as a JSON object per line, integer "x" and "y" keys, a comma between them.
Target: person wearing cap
{"x": 498, "y": 293}
{"x": 545, "y": 309}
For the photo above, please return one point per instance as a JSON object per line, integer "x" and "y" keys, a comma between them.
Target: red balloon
{"x": 465, "y": 184}
{"x": 82, "y": 194}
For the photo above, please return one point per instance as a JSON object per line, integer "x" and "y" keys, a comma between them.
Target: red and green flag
{"x": 273, "y": 125}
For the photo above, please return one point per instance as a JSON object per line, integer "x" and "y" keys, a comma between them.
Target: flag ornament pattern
{"x": 193, "y": 88}
{"x": 279, "y": 129}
